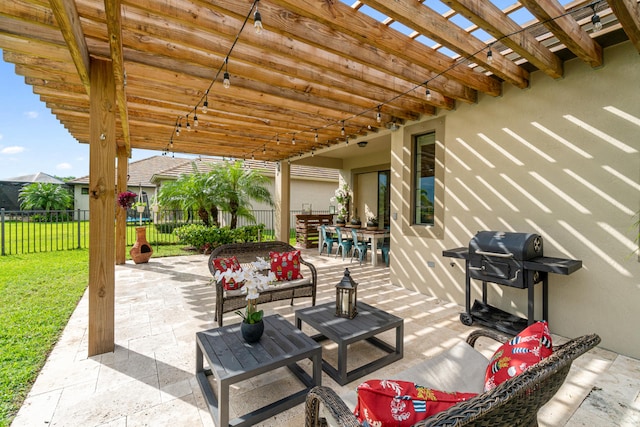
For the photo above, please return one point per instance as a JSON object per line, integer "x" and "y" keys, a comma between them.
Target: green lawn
{"x": 38, "y": 293}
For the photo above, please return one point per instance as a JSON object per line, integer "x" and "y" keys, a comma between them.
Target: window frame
{"x": 410, "y": 132}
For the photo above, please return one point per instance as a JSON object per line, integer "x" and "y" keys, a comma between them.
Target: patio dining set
{"x": 354, "y": 242}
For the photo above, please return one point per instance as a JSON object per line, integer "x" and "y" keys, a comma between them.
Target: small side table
{"x": 232, "y": 360}
{"x": 369, "y": 322}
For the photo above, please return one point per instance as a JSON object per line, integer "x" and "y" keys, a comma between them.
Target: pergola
{"x": 137, "y": 74}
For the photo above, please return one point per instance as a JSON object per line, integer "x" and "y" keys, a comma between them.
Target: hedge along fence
{"x": 23, "y": 232}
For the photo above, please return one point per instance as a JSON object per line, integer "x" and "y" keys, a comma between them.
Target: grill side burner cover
{"x": 522, "y": 246}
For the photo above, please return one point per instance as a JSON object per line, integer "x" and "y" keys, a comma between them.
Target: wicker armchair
{"x": 227, "y": 301}
{"x": 513, "y": 403}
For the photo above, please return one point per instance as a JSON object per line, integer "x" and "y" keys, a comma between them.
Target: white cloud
{"x": 12, "y": 150}
{"x": 63, "y": 166}
{"x": 31, "y": 114}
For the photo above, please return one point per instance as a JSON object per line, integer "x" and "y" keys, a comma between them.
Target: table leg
{"x": 223, "y": 403}
{"x": 374, "y": 251}
{"x": 320, "y": 241}
{"x": 342, "y": 362}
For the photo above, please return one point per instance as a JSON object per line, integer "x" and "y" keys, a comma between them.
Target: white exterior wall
{"x": 560, "y": 159}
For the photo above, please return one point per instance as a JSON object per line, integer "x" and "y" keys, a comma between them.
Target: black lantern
{"x": 346, "y": 295}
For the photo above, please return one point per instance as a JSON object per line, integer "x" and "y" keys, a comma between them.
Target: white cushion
{"x": 461, "y": 369}
{"x": 274, "y": 286}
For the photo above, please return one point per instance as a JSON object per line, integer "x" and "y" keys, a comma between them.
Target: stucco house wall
{"x": 560, "y": 159}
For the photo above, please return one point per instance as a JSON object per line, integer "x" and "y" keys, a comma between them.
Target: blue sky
{"x": 31, "y": 138}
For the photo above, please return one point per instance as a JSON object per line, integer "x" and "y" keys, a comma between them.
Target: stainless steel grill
{"x": 509, "y": 259}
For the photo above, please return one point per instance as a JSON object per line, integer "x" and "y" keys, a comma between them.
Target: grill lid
{"x": 500, "y": 244}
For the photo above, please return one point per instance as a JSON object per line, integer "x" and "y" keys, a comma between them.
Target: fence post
{"x": 79, "y": 244}
{"x": 2, "y": 225}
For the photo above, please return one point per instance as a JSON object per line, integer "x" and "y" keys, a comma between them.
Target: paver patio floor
{"x": 150, "y": 377}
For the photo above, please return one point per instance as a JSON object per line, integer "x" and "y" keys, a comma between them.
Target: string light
{"x": 188, "y": 125}
{"x": 195, "y": 120}
{"x": 257, "y": 20}
{"x": 226, "y": 82}
{"x": 205, "y": 104}
{"x": 293, "y": 140}
{"x": 595, "y": 19}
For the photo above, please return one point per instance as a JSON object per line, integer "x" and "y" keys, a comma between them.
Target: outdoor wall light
{"x": 362, "y": 144}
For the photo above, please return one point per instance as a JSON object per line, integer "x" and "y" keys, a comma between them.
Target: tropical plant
{"x": 237, "y": 187}
{"x": 46, "y": 196}
{"x": 126, "y": 198}
{"x": 342, "y": 197}
{"x": 196, "y": 191}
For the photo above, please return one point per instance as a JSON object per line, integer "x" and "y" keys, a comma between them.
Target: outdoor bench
{"x": 512, "y": 403}
{"x": 232, "y": 300}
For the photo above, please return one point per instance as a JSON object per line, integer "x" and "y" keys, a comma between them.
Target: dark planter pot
{"x": 341, "y": 222}
{"x": 251, "y": 332}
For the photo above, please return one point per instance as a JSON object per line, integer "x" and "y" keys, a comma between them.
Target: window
{"x": 424, "y": 178}
{"x": 84, "y": 190}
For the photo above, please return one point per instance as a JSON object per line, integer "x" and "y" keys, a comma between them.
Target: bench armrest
{"x": 332, "y": 405}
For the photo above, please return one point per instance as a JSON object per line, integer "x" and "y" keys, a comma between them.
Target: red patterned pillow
{"x": 401, "y": 403}
{"x": 516, "y": 355}
{"x": 286, "y": 265}
{"x": 224, "y": 264}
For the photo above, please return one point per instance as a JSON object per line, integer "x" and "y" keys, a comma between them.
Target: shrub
{"x": 205, "y": 238}
{"x": 168, "y": 227}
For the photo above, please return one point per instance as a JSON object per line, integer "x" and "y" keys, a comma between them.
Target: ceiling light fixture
{"x": 362, "y": 144}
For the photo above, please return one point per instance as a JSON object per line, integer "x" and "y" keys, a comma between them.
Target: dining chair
{"x": 327, "y": 240}
{"x": 344, "y": 244}
{"x": 359, "y": 246}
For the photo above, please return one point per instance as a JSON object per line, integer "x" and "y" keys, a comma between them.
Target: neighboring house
{"x": 309, "y": 185}
{"x": 10, "y": 188}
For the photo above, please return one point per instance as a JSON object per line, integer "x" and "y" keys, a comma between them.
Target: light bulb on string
{"x": 264, "y": 149}
{"x": 315, "y": 137}
{"x": 226, "y": 82}
{"x": 293, "y": 140}
{"x": 277, "y": 140}
{"x": 342, "y": 131}
{"x": 428, "y": 93}
{"x": 188, "y": 124}
{"x": 378, "y": 115}
{"x": 595, "y": 19}
{"x": 257, "y": 21}
{"x": 205, "y": 104}
{"x": 489, "y": 56}
{"x": 195, "y": 120}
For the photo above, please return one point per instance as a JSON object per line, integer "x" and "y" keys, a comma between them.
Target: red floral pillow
{"x": 516, "y": 355}
{"x": 286, "y": 265}
{"x": 401, "y": 403}
{"x": 224, "y": 264}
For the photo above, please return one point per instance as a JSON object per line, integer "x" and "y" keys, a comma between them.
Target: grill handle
{"x": 494, "y": 254}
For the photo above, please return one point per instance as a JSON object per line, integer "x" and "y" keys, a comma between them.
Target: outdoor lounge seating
{"x": 231, "y": 300}
{"x": 515, "y": 402}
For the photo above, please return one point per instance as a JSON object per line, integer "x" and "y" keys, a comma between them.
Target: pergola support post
{"x": 121, "y": 214}
{"x": 283, "y": 201}
{"x": 102, "y": 153}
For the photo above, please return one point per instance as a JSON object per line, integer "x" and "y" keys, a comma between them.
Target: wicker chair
{"x": 227, "y": 301}
{"x": 513, "y": 403}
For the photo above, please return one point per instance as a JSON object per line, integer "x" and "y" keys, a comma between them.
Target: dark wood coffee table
{"x": 231, "y": 360}
{"x": 369, "y": 322}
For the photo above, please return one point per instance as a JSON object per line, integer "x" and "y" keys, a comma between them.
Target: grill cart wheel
{"x": 466, "y": 319}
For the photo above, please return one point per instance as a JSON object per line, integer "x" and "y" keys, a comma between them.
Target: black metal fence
{"x": 23, "y": 232}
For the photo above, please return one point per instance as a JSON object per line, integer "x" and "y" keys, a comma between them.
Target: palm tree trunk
{"x": 214, "y": 215}
{"x": 204, "y": 216}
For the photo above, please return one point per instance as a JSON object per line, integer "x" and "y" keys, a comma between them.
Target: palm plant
{"x": 46, "y": 196}
{"x": 237, "y": 187}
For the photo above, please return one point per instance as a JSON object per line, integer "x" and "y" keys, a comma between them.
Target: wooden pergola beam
{"x": 69, "y": 22}
{"x": 113, "y": 12}
{"x": 566, "y": 29}
{"x": 628, "y": 14}
{"x": 495, "y": 22}
{"x": 426, "y": 21}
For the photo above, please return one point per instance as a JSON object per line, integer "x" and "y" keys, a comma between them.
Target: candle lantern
{"x": 346, "y": 296}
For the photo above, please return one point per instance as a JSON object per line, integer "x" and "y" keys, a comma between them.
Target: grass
{"x": 38, "y": 293}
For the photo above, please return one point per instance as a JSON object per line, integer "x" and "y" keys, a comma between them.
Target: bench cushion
{"x": 272, "y": 287}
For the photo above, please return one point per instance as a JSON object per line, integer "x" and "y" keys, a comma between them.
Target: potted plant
{"x": 355, "y": 220}
{"x": 372, "y": 223}
{"x": 126, "y": 198}
{"x": 255, "y": 280}
{"x": 140, "y": 206}
{"x": 342, "y": 198}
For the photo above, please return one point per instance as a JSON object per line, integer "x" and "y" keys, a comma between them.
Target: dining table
{"x": 373, "y": 235}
